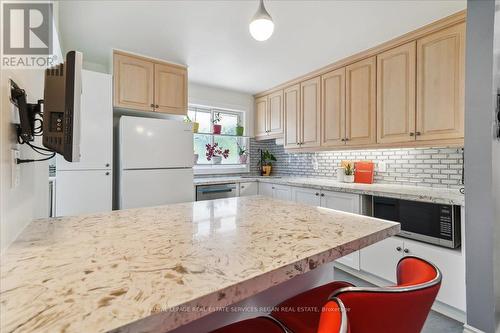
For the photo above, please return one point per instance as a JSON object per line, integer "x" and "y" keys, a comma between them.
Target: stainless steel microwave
{"x": 427, "y": 222}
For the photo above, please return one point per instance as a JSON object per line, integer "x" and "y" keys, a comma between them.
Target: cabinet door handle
{"x": 107, "y": 165}
{"x": 272, "y": 188}
{"x": 107, "y": 173}
{"x": 346, "y": 139}
{"x": 343, "y": 139}
{"x": 418, "y": 133}
{"x": 322, "y": 194}
{"x": 399, "y": 249}
{"x": 317, "y": 193}
{"x": 298, "y": 144}
{"x": 152, "y": 105}
{"x": 406, "y": 251}
{"x": 412, "y": 134}
{"x": 157, "y": 106}
{"x": 242, "y": 186}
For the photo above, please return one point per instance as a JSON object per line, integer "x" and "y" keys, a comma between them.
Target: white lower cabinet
{"x": 306, "y": 196}
{"x": 381, "y": 258}
{"x": 346, "y": 202}
{"x": 450, "y": 263}
{"x": 248, "y": 188}
{"x": 282, "y": 192}
{"x": 266, "y": 189}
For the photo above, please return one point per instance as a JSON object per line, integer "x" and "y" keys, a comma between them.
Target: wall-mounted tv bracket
{"x": 26, "y": 130}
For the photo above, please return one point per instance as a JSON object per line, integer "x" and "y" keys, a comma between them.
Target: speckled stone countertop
{"x": 154, "y": 269}
{"x": 418, "y": 193}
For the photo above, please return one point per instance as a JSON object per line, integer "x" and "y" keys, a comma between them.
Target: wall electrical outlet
{"x": 15, "y": 168}
{"x": 382, "y": 167}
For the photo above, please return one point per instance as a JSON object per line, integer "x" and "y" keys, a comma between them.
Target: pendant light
{"x": 261, "y": 27}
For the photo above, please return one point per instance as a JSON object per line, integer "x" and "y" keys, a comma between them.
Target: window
{"x": 227, "y": 139}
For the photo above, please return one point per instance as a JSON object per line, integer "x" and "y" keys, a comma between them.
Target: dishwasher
{"x": 209, "y": 192}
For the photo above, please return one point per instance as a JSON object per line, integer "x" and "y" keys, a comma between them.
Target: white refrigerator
{"x": 156, "y": 162}
{"x": 87, "y": 186}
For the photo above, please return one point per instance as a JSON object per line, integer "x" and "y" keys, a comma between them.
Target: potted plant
{"x": 239, "y": 129}
{"x": 196, "y": 125}
{"x": 266, "y": 159}
{"x": 349, "y": 173}
{"x": 215, "y": 153}
{"x": 215, "y": 122}
{"x": 242, "y": 153}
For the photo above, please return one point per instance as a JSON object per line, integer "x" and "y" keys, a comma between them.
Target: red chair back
{"x": 399, "y": 309}
{"x": 333, "y": 317}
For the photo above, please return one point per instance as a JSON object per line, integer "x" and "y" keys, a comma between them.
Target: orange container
{"x": 364, "y": 171}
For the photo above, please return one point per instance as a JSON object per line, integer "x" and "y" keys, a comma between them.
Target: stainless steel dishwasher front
{"x": 216, "y": 191}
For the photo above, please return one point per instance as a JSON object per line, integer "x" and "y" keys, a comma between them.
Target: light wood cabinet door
{"x": 170, "y": 89}
{"x": 333, "y": 108}
{"x": 360, "y": 102}
{"x": 275, "y": 117}
{"x": 310, "y": 96}
{"x": 440, "y": 84}
{"x": 291, "y": 101}
{"x": 133, "y": 83}
{"x": 261, "y": 116}
{"x": 396, "y": 94}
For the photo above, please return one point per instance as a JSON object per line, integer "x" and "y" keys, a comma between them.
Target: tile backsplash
{"x": 432, "y": 167}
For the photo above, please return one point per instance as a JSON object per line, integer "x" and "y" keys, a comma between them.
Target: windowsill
{"x": 219, "y": 169}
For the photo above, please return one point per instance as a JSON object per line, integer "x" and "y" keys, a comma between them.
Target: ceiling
{"x": 212, "y": 37}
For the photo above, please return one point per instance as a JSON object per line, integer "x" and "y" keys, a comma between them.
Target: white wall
{"x": 496, "y": 162}
{"x": 480, "y": 219}
{"x": 30, "y": 200}
{"x": 223, "y": 98}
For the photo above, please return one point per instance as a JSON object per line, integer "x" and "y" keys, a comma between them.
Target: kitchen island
{"x": 155, "y": 269}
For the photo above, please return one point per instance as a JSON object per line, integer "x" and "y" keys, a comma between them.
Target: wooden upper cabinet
{"x": 275, "y": 116}
{"x": 261, "y": 116}
{"x": 440, "y": 84}
{"x": 146, "y": 84}
{"x": 133, "y": 82}
{"x": 396, "y": 94}
{"x": 310, "y": 97}
{"x": 360, "y": 102}
{"x": 170, "y": 89}
{"x": 333, "y": 108}
{"x": 291, "y": 103}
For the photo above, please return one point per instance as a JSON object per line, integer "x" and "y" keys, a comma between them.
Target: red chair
{"x": 399, "y": 309}
{"x": 333, "y": 319}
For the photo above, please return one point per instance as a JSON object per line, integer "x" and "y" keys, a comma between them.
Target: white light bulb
{"x": 261, "y": 27}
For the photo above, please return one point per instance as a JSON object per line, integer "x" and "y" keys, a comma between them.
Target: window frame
{"x": 206, "y": 169}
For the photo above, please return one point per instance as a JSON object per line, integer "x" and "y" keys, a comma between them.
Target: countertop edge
{"x": 158, "y": 322}
{"x": 329, "y": 187}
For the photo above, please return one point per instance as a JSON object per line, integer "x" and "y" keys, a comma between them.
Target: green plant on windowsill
{"x": 242, "y": 153}
{"x": 239, "y": 129}
{"x": 196, "y": 125}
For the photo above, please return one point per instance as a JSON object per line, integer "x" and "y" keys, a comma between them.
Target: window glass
{"x": 229, "y": 122}
{"x": 226, "y": 142}
{"x": 200, "y": 142}
{"x": 203, "y": 117}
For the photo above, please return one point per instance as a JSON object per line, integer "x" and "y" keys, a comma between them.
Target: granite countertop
{"x": 418, "y": 193}
{"x": 137, "y": 270}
